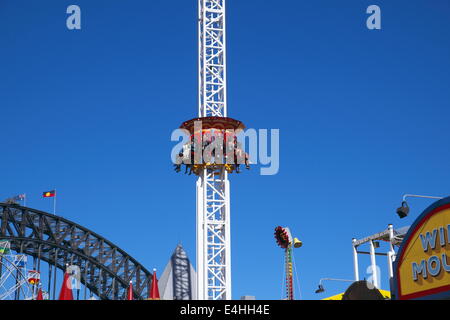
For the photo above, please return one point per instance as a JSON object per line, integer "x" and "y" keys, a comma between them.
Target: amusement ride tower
{"x": 213, "y": 186}
{"x": 286, "y": 242}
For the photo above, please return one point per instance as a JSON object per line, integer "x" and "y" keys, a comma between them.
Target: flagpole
{"x": 25, "y": 200}
{"x": 54, "y": 203}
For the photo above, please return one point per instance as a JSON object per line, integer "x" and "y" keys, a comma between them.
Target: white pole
{"x": 391, "y": 253}
{"x": 54, "y": 203}
{"x": 228, "y": 238}
{"x": 374, "y": 264}
{"x": 355, "y": 260}
{"x": 200, "y": 242}
{"x": 419, "y": 196}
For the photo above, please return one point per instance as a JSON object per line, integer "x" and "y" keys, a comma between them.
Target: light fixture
{"x": 403, "y": 211}
{"x": 321, "y": 289}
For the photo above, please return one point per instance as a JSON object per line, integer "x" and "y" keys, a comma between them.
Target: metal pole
{"x": 374, "y": 264}
{"x": 334, "y": 279}
{"x": 420, "y": 196}
{"x": 54, "y": 203}
{"x": 355, "y": 260}
{"x": 113, "y": 287}
{"x": 289, "y": 276}
{"x": 228, "y": 237}
{"x": 49, "y": 289}
{"x": 1, "y": 265}
{"x": 391, "y": 253}
{"x": 17, "y": 286}
{"x": 33, "y": 287}
{"x": 39, "y": 258}
{"x": 200, "y": 241}
{"x": 54, "y": 275}
{"x": 19, "y": 273}
{"x": 85, "y": 279}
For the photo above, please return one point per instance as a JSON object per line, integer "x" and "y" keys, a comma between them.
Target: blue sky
{"x": 362, "y": 117}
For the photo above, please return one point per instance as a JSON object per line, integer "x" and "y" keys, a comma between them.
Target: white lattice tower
{"x": 213, "y": 188}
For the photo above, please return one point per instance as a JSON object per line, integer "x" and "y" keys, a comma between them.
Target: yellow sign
{"x": 423, "y": 263}
{"x": 336, "y": 297}
{"x": 384, "y": 293}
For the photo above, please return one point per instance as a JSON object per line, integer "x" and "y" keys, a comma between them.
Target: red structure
{"x": 39, "y": 295}
{"x": 130, "y": 291}
{"x": 66, "y": 289}
{"x": 154, "y": 291}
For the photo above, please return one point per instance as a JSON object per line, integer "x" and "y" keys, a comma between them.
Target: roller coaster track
{"x": 105, "y": 269}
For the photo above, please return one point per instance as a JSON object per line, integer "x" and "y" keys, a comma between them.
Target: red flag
{"x": 49, "y": 194}
{"x": 130, "y": 291}
{"x": 66, "y": 289}
{"x": 154, "y": 291}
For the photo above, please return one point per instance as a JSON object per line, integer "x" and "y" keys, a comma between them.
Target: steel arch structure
{"x": 104, "y": 268}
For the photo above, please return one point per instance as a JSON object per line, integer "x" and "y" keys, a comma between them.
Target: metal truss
{"x": 214, "y": 273}
{"x": 212, "y": 59}
{"x": 213, "y": 195}
{"x": 104, "y": 268}
{"x": 178, "y": 280}
{"x": 181, "y": 275}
